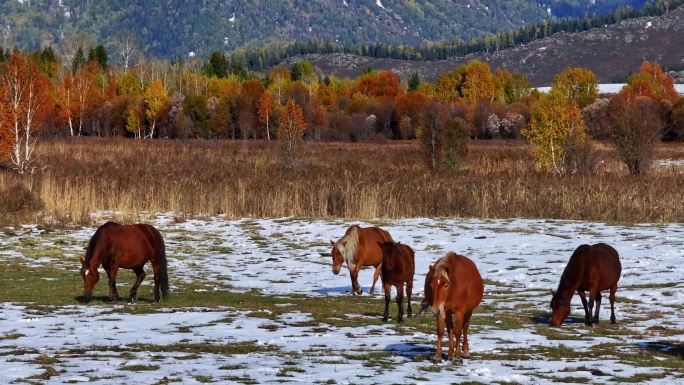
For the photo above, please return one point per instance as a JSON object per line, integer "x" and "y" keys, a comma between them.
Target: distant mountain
{"x": 171, "y": 29}
{"x": 611, "y": 52}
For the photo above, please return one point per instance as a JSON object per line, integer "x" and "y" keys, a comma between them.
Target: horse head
{"x": 390, "y": 253}
{"x": 439, "y": 286}
{"x": 90, "y": 278}
{"x": 560, "y": 308}
{"x": 337, "y": 258}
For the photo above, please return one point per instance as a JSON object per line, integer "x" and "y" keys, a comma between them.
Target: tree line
{"x": 43, "y": 95}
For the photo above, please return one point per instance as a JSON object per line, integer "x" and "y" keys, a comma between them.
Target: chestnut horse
{"x": 359, "y": 248}
{"x": 398, "y": 267}
{"x": 455, "y": 289}
{"x": 117, "y": 246}
{"x": 591, "y": 268}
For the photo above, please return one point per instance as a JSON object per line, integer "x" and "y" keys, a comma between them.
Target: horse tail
{"x": 163, "y": 271}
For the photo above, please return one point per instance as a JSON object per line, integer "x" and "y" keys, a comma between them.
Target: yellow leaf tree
{"x": 556, "y": 125}
{"x": 155, "y": 97}
{"x": 291, "y": 128}
{"x": 578, "y": 85}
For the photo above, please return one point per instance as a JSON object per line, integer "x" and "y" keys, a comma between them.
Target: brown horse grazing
{"x": 359, "y": 248}
{"x": 456, "y": 289}
{"x": 591, "y": 268}
{"x": 398, "y": 267}
{"x": 117, "y": 246}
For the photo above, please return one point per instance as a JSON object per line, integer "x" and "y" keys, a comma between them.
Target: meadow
{"x": 243, "y": 179}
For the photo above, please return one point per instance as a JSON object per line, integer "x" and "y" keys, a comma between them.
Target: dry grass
{"x": 348, "y": 180}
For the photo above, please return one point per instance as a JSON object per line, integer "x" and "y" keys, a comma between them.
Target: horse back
{"x": 466, "y": 289}
{"x": 135, "y": 244}
{"x": 606, "y": 265}
{"x": 368, "y": 252}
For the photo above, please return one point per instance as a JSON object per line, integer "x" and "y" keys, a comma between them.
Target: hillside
{"x": 610, "y": 52}
{"x": 173, "y": 29}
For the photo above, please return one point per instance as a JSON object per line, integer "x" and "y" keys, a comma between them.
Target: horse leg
{"x": 388, "y": 290}
{"x": 376, "y": 274}
{"x": 113, "y": 293}
{"x": 139, "y": 276}
{"x": 466, "y": 325}
{"x": 400, "y": 301}
{"x": 611, "y": 297}
{"x": 590, "y": 304}
{"x": 440, "y": 334}
{"x": 354, "y": 282}
{"x": 409, "y": 290}
{"x": 598, "y": 306}
{"x": 587, "y": 314}
{"x": 450, "y": 333}
{"x": 457, "y": 329}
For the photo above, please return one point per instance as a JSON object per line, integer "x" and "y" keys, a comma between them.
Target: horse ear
{"x": 82, "y": 260}
{"x": 553, "y": 292}
{"x": 332, "y": 243}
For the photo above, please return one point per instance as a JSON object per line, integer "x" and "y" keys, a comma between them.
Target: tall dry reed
{"x": 125, "y": 178}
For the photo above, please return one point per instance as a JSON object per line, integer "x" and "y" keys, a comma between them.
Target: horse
{"x": 117, "y": 246}
{"x": 591, "y": 268}
{"x": 359, "y": 248}
{"x": 454, "y": 289}
{"x": 398, "y": 268}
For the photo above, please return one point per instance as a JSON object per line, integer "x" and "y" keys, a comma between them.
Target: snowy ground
{"x": 519, "y": 259}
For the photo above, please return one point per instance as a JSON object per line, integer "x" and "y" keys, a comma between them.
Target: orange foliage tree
{"x": 27, "y": 93}
{"x": 291, "y": 127}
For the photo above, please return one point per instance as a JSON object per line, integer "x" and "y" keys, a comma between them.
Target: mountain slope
{"x": 610, "y": 52}
{"x": 172, "y": 29}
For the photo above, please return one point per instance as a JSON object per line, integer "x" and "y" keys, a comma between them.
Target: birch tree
{"x": 27, "y": 96}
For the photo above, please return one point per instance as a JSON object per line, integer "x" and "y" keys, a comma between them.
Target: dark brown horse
{"x": 455, "y": 289}
{"x": 117, "y": 246}
{"x": 398, "y": 267}
{"x": 591, "y": 268}
{"x": 359, "y": 248}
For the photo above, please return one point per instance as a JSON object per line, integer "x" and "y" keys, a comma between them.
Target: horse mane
{"x": 95, "y": 240}
{"x": 443, "y": 264}
{"x": 573, "y": 270}
{"x": 348, "y": 244}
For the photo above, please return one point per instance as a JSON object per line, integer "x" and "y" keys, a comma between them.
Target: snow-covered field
{"x": 520, "y": 261}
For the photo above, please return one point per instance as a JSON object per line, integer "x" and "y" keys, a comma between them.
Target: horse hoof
{"x": 384, "y": 319}
{"x": 436, "y": 360}
{"x": 457, "y": 361}
{"x": 465, "y": 356}
{"x": 400, "y": 319}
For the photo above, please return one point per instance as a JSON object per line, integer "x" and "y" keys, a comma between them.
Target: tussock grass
{"x": 197, "y": 178}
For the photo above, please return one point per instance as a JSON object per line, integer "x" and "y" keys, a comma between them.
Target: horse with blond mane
{"x": 117, "y": 246}
{"x": 359, "y": 248}
{"x": 453, "y": 288}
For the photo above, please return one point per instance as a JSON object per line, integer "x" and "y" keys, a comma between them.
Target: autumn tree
{"x": 27, "y": 92}
{"x": 651, "y": 82}
{"x": 578, "y": 85}
{"x": 555, "y": 126}
{"x": 444, "y": 138}
{"x": 6, "y": 137}
{"x": 279, "y": 78}
{"x": 134, "y": 120}
{"x": 155, "y": 97}
{"x": 291, "y": 127}
{"x": 431, "y": 135}
{"x": 264, "y": 110}
{"x": 636, "y": 127}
